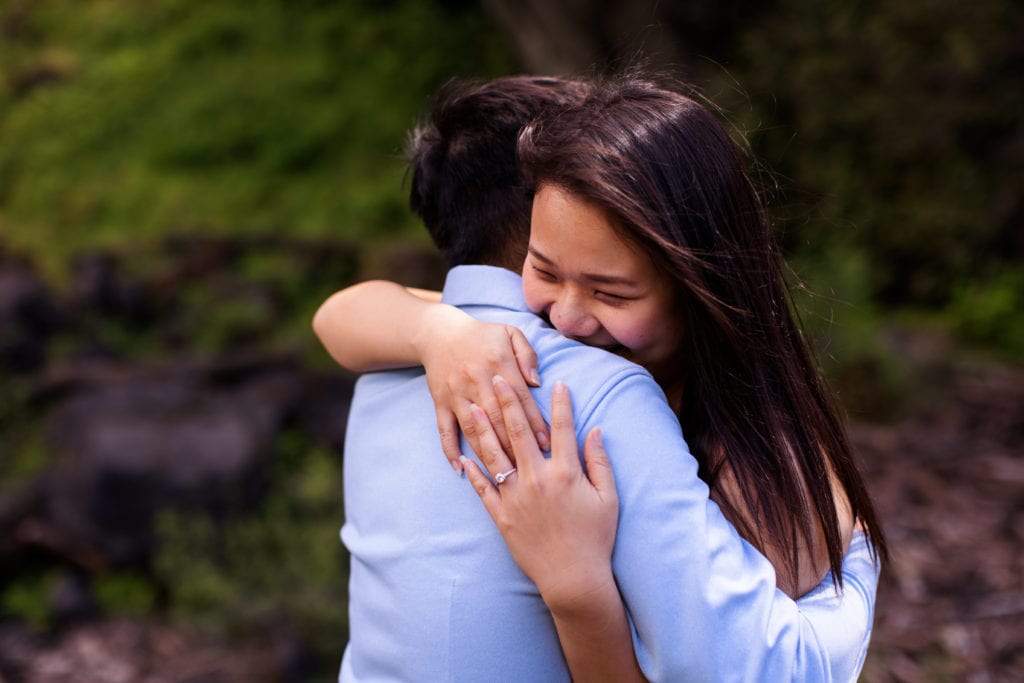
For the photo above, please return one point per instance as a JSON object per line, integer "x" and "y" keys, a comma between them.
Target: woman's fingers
{"x": 479, "y": 430}
{"x": 517, "y": 425}
{"x": 599, "y": 467}
{"x": 483, "y": 487}
{"x": 563, "y": 430}
{"x": 526, "y": 357}
{"x": 515, "y": 360}
{"x": 474, "y": 428}
{"x": 448, "y": 428}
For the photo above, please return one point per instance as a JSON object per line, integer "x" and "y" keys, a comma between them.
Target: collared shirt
{"x": 435, "y": 595}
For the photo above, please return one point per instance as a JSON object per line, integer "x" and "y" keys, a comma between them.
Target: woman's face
{"x": 593, "y": 286}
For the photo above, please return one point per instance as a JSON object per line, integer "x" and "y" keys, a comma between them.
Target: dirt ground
{"x": 949, "y": 484}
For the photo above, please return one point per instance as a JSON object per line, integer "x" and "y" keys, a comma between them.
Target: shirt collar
{"x": 484, "y": 285}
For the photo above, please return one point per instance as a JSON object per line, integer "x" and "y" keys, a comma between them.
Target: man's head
{"x": 466, "y": 185}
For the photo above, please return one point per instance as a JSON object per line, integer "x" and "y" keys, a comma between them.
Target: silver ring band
{"x": 500, "y": 477}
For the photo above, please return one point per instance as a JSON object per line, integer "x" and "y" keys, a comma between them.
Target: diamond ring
{"x": 500, "y": 477}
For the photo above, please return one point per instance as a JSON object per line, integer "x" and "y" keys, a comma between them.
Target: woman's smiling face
{"x": 595, "y": 287}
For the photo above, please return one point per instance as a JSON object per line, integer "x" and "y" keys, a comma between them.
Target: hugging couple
{"x": 613, "y": 275}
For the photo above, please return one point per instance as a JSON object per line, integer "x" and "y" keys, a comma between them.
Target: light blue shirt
{"x": 435, "y": 595}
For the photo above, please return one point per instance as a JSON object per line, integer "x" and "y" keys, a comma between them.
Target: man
{"x": 434, "y": 594}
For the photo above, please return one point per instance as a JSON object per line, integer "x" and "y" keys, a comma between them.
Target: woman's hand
{"x": 461, "y": 355}
{"x": 377, "y": 325}
{"x": 559, "y": 525}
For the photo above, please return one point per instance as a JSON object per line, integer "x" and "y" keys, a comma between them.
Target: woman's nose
{"x": 572, "y": 319}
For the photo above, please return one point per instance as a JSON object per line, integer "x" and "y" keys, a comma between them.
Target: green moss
{"x": 284, "y": 563}
{"x": 28, "y": 597}
{"x": 845, "y": 328}
{"x": 24, "y": 447}
{"x": 125, "y": 593}
{"x": 988, "y": 312}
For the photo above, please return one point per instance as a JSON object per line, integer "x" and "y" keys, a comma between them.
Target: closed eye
{"x": 544, "y": 274}
{"x": 612, "y": 298}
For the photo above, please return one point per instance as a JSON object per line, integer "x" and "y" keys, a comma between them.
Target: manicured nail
{"x": 457, "y": 466}
{"x": 543, "y": 441}
{"x": 560, "y": 387}
{"x": 462, "y": 465}
{"x": 498, "y": 381}
{"x": 534, "y": 377}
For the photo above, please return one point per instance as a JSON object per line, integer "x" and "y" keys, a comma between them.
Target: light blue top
{"x": 435, "y": 595}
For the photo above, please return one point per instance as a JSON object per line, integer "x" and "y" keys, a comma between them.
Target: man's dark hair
{"x": 466, "y": 184}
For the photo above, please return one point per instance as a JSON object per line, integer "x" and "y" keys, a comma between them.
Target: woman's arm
{"x": 374, "y": 325}
{"x": 595, "y": 637}
{"x": 378, "y": 325}
{"x": 560, "y": 527}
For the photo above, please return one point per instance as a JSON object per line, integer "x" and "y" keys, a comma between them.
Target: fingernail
{"x": 476, "y": 410}
{"x": 457, "y": 466}
{"x": 560, "y": 387}
{"x": 535, "y": 377}
{"x": 498, "y": 380}
{"x": 543, "y": 441}
{"x": 462, "y": 469}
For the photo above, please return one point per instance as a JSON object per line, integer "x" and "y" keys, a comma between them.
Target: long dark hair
{"x": 753, "y": 404}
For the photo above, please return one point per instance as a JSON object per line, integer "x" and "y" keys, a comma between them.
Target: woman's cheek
{"x": 532, "y": 293}
{"x": 637, "y": 332}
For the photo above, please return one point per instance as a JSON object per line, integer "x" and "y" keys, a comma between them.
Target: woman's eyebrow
{"x": 610, "y": 280}
{"x": 539, "y": 256}
{"x": 592, "y": 277}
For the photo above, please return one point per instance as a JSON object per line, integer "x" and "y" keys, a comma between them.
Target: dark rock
{"x": 199, "y": 257}
{"x": 323, "y": 413}
{"x": 130, "y": 441}
{"x": 28, "y": 316}
{"x": 101, "y": 287}
{"x": 412, "y": 265}
{"x": 293, "y": 657}
{"x": 128, "y": 449}
{"x": 70, "y": 599}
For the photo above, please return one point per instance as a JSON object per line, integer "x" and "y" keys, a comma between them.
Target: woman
{"x": 649, "y": 240}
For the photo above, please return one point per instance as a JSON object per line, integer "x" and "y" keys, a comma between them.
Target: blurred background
{"x": 182, "y": 182}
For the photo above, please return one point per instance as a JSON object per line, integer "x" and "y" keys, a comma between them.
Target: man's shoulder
{"x": 384, "y": 386}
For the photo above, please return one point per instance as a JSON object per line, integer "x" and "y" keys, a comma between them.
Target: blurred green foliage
{"x": 845, "y": 328}
{"x": 891, "y": 131}
{"x": 29, "y": 599}
{"x": 896, "y": 130}
{"x": 229, "y": 158}
{"x": 281, "y": 567}
{"x": 24, "y": 452}
{"x": 124, "y": 121}
{"x": 989, "y": 311}
{"x": 125, "y": 592}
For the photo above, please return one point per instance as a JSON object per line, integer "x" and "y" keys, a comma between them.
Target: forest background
{"x": 182, "y": 182}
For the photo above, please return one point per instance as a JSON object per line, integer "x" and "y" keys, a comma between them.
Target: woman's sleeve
{"x": 702, "y": 601}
